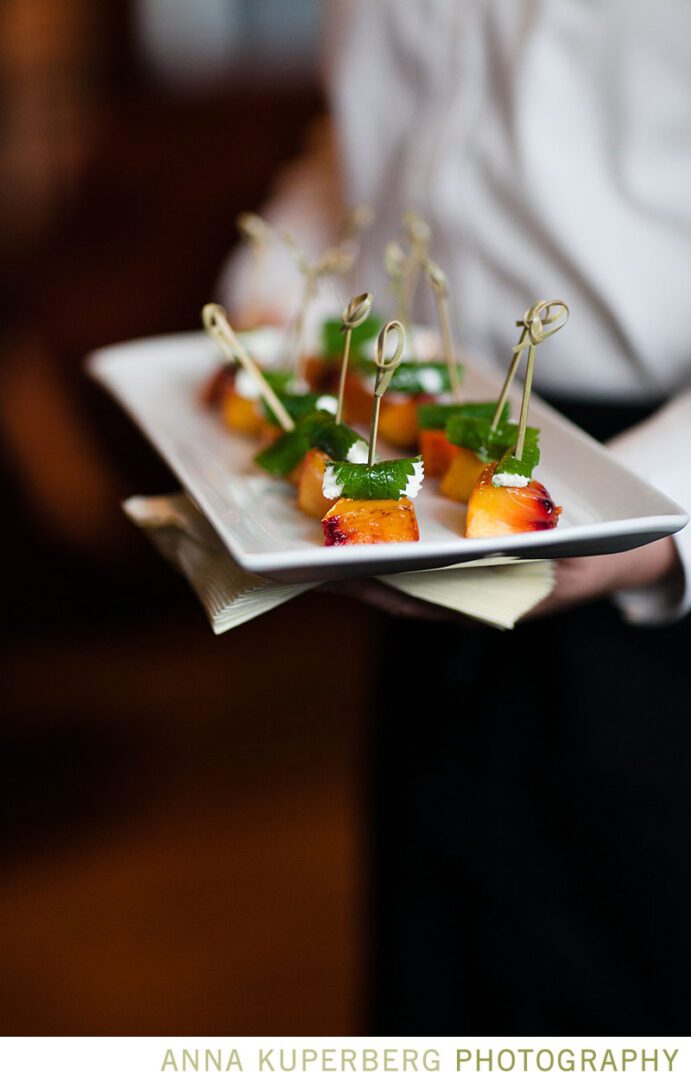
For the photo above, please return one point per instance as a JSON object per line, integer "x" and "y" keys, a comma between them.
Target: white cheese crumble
{"x": 331, "y": 489}
{"x": 265, "y": 344}
{"x": 414, "y": 484}
{"x": 327, "y": 403}
{"x": 358, "y": 453}
{"x": 247, "y": 386}
{"x": 430, "y": 380}
{"x": 506, "y": 479}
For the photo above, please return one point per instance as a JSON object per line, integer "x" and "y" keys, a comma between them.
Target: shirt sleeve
{"x": 659, "y": 450}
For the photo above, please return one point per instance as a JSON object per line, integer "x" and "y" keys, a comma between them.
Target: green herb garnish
{"x": 296, "y": 405}
{"x": 415, "y": 377}
{"x": 317, "y": 429}
{"x": 336, "y": 440}
{"x": 431, "y": 415}
{"x": 332, "y": 338}
{"x": 476, "y": 433}
{"x": 284, "y": 454}
{"x": 509, "y": 464}
{"x": 383, "y": 480}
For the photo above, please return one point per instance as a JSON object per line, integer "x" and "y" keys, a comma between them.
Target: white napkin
{"x": 496, "y": 591}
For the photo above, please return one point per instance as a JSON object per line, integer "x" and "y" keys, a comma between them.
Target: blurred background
{"x": 181, "y": 852}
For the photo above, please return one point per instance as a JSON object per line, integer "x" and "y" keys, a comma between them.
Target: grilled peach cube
{"x": 358, "y": 399}
{"x": 241, "y": 414}
{"x": 437, "y": 452}
{"x": 462, "y": 475}
{"x": 499, "y": 511}
{"x": 318, "y": 372}
{"x": 217, "y": 386}
{"x": 370, "y": 521}
{"x": 397, "y": 419}
{"x": 398, "y": 422}
{"x": 311, "y": 499}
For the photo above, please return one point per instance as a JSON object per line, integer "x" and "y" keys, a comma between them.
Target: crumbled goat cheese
{"x": 265, "y": 344}
{"x": 414, "y": 484}
{"x": 430, "y": 380}
{"x": 331, "y": 489}
{"x": 247, "y": 386}
{"x": 357, "y": 454}
{"x": 506, "y": 479}
{"x": 328, "y": 403}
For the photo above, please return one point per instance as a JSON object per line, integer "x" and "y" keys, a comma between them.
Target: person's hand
{"x": 392, "y": 602}
{"x": 590, "y": 577}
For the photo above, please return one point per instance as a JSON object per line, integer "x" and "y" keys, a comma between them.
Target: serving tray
{"x": 158, "y": 380}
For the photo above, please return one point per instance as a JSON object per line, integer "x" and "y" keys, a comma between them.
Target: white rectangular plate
{"x": 158, "y": 382}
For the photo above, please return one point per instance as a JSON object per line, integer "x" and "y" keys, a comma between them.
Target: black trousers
{"x": 532, "y": 826}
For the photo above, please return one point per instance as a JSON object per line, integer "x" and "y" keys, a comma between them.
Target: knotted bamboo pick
{"x": 385, "y": 369}
{"x": 335, "y": 260}
{"x": 419, "y": 235}
{"x": 216, "y": 324}
{"x": 356, "y": 221}
{"x": 543, "y": 313}
{"x": 258, "y": 235}
{"x": 354, "y": 315}
{"x": 437, "y": 280}
{"x": 395, "y": 264}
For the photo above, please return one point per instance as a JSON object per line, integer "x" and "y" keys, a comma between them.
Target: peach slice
{"x": 370, "y": 521}
{"x": 398, "y": 422}
{"x": 437, "y": 452}
{"x": 311, "y": 499}
{"x": 241, "y": 414}
{"x": 462, "y": 475}
{"x": 499, "y": 511}
{"x": 217, "y": 386}
{"x": 358, "y": 399}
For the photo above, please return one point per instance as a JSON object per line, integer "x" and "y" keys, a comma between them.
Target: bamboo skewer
{"x": 216, "y": 324}
{"x": 439, "y": 286}
{"x": 354, "y": 315}
{"x": 395, "y": 264}
{"x": 258, "y": 235}
{"x": 544, "y": 313}
{"x": 419, "y": 235}
{"x": 385, "y": 369}
{"x": 335, "y": 260}
{"x": 355, "y": 223}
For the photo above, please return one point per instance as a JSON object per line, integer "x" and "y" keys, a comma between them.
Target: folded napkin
{"x": 495, "y": 591}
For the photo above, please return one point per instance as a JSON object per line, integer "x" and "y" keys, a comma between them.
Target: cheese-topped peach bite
{"x": 373, "y": 502}
{"x": 500, "y": 510}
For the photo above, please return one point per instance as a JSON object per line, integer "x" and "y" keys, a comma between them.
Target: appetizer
{"x": 414, "y": 383}
{"x": 372, "y": 504}
{"x": 416, "y": 380}
{"x": 506, "y": 499}
{"x": 242, "y": 363}
{"x": 331, "y": 348}
{"x": 438, "y": 452}
{"x": 498, "y": 510}
{"x": 477, "y": 442}
{"x": 373, "y": 501}
{"x": 300, "y": 456}
{"x": 290, "y": 368}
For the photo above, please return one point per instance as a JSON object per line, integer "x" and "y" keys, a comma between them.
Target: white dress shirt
{"x": 547, "y": 143}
